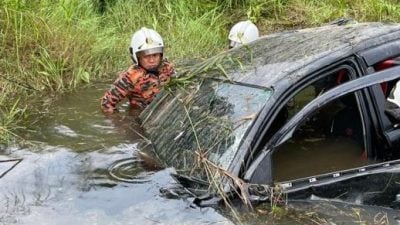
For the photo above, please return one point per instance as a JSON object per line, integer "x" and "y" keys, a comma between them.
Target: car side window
{"x": 306, "y": 94}
{"x": 330, "y": 140}
{"x": 333, "y": 137}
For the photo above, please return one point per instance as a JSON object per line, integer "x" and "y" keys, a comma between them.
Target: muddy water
{"x": 82, "y": 167}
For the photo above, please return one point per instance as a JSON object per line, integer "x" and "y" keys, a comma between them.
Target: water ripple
{"x": 129, "y": 170}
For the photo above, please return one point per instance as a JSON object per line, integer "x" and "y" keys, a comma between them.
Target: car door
{"x": 266, "y": 166}
{"x": 298, "y": 95}
{"x": 379, "y": 58}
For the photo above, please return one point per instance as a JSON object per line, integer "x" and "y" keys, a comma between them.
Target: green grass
{"x": 51, "y": 47}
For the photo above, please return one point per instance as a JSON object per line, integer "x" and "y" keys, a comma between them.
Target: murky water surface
{"x": 84, "y": 169}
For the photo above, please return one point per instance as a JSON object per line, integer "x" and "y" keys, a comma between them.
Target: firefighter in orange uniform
{"x": 145, "y": 78}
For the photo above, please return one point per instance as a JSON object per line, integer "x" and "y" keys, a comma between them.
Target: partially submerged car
{"x": 305, "y": 111}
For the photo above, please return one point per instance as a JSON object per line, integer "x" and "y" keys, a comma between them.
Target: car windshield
{"x": 209, "y": 119}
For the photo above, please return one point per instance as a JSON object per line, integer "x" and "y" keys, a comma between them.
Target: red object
{"x": 385, "y": 65}
{"x": 340, "y": 77}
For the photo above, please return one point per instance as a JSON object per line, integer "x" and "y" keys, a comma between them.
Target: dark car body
{"x": 302, "y": 110}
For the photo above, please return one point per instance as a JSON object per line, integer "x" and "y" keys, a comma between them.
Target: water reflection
{"x": 66, "y": 178}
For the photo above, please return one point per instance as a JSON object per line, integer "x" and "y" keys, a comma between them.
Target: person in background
{"x": 242, "y": 32}
{"x": 145, "y": 78}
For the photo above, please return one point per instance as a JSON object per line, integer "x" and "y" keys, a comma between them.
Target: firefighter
{"x": 145, "y": 77}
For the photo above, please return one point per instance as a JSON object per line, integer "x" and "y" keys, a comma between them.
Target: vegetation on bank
{"x": 49, "y": 47}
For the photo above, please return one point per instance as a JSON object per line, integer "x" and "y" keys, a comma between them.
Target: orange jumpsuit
{"x": 138, "y": 85}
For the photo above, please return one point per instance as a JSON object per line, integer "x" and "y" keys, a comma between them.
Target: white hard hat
{"x": 242, "y": 33}
{"x": 394, "y": 96}
{"x": 145, "y": 42}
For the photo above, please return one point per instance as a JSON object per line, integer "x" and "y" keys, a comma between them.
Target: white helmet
{"x": 242, "y": 33}
{"x": 145, "y": 42}
{"x": 394, "y": 96}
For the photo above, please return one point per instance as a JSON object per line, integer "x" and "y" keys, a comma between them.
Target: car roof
{"x": 292, "y": 55}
